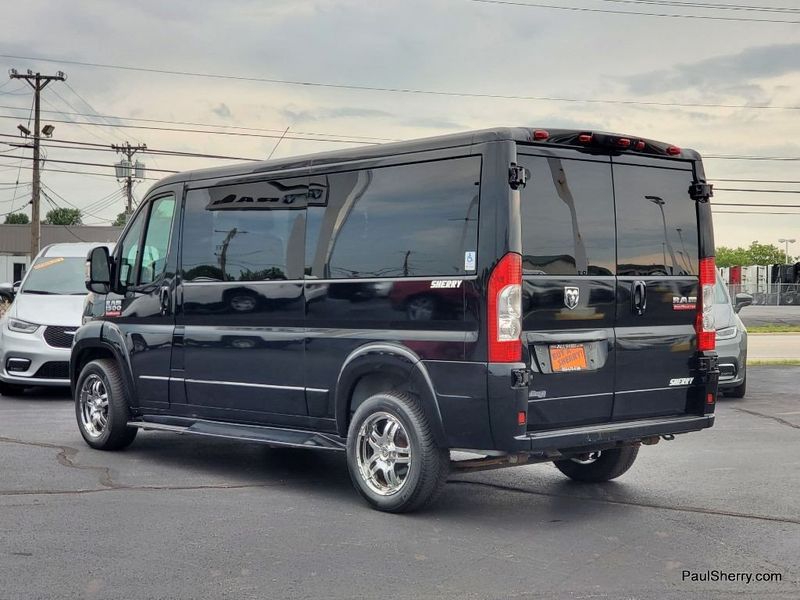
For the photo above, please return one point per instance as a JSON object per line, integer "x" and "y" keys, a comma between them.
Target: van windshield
{"x": 57, "y": 275}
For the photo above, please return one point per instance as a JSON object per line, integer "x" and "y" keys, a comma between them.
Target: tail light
{"x": 704, "y": 324}
{"x": 505, "y": 310}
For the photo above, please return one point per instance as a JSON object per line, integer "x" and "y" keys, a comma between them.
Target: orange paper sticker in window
{"x": 48, "y": 263}
{"x": 568, "y": 357}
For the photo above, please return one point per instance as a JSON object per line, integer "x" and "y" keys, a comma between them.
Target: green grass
{"x": 774, "y": 328}
{"x": 791, "y": 362}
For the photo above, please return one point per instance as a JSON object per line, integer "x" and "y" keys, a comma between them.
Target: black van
{"x": 524, "y": 295}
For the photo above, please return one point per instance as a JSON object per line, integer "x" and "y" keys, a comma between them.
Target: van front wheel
{"x": 392, "y": 458}
{"x": 599, "y": 466}
{"x": 102, "y": 407}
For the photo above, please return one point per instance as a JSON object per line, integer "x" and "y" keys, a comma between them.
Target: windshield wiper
{"x": 42, "y": 292}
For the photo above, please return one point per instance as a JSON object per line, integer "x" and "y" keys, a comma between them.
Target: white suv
{"x": 36, "y": 332}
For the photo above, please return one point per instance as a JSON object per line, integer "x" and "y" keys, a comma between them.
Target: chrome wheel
{"x": 586, "y": 459}
{"x": 384, "y": 453}
{"x": 94, "y": 405}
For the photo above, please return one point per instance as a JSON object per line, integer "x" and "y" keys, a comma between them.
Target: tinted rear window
{"x": 403, "y": 221}
{"x": 567, "y": 217}
{"x": 248, "y": 232}
{"x": 657, "y": 221}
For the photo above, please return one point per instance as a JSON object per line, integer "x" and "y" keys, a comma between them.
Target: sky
{"x": 576, "y": 58}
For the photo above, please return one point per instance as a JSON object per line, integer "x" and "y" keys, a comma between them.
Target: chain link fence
{"x": 769, "y": 294}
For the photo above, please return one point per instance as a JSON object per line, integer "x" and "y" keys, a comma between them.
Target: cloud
{"x": 222, "y": 111}
{"x": 732, "y": 73}
{"x": 305, "y": 115}
{"x": 433, "y": 123}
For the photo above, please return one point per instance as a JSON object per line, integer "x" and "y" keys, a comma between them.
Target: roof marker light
{"x": 673, "y": 150}
{"x": 623, "y": 142}
{"x": 540, "y": 134}
{"x": 640, "y": 145}
{"x": 585, "y": 138}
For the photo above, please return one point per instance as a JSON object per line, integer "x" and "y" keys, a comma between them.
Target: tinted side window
{"x": 129, "y": 251}
{"x": 567, "y": 217}
{"x": 403, "y": 221}
{"x": 156, "y": 239}
{"x": 657, "y": 221}
{"x": 248, "y": 232}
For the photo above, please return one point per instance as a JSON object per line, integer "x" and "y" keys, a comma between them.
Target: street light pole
{"x": 786, "y": 243}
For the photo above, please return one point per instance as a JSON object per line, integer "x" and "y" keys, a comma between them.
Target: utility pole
{"x": 127, "y": 170}
{"x": 38, "y": 82}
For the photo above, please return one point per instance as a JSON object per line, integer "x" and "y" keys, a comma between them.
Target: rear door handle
{"x": 638, "y": 297}
{"x": 164, "y": 297}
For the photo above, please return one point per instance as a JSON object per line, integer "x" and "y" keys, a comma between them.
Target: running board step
{"x": 272, "y": 436}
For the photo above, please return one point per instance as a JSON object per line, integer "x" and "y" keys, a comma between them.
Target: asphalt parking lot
{"x": 770, "y": 315}
{"x": 182, "y": 517}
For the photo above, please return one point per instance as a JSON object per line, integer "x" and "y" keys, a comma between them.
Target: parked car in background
{"x": 731, "y": 340}
{"x": 7, "y": 291}
{"x": 36, "y": 331}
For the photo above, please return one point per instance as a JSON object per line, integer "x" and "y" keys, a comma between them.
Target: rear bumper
{"x": 594, "y": 436}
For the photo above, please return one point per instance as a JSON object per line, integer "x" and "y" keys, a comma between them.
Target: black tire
{"x": 116, "y": 434}
{"x": 739, "y": 391}
{"x": 11, "y": 389}
{"x": 609, "y": 465}
{"x": 429, "y": 465}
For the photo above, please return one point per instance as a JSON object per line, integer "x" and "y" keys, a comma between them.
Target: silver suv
{"x": 731, "y": 340}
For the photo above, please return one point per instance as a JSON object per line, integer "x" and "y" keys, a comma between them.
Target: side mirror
{"x": 15, "y": 287}
{"x": 98, "y": 270}
{"x": 742, "y": 300}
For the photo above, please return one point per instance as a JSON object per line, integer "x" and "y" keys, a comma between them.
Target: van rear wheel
{"x": 392, "y": 458}
{"x": 599, "y": 466}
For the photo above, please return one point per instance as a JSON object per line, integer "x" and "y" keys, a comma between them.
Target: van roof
{"x": 76, "y": 249}
{"x": 526, "y": 135}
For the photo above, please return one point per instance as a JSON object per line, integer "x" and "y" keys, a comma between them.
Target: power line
{"x": 92, "y": 109}
{"x": 631, "y": 12}
{"x": 710, "y": 6}
{"x": 196, "y": 124}
{"x": 77, "y": 172}
{"x": 752, "y": 212}
{"x": 88, "y": 164}
{"x": 719, "y": 189}
{"x": 737, "y": 157}
{"x": 743, "y": 204}
{"x": 399, "y": 90}
{"x": 94, "y": 147}
{"x": 757, "y": 180}
{"x": 207, "y": 132}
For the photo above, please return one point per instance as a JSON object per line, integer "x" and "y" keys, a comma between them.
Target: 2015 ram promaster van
{"x": 526, "y": 295}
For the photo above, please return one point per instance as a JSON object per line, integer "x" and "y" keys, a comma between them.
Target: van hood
{"x": 49, "y": 310}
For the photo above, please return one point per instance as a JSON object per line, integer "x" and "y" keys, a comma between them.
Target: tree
{"x": 755, "y": 254}
{"x": 64, "y": 216}
{"x": 121, "y": 219}
{"x": 17, "y": 219}
{"x": 765, "y": 254}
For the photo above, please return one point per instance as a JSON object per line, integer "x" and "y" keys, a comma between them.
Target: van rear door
{"x": 569, "y": 286}
{"x": 658, "y": 245}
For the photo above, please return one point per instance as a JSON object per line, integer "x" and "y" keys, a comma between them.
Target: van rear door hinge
{"x": 517, "y": 176}
{"x": 701, "y": 191}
